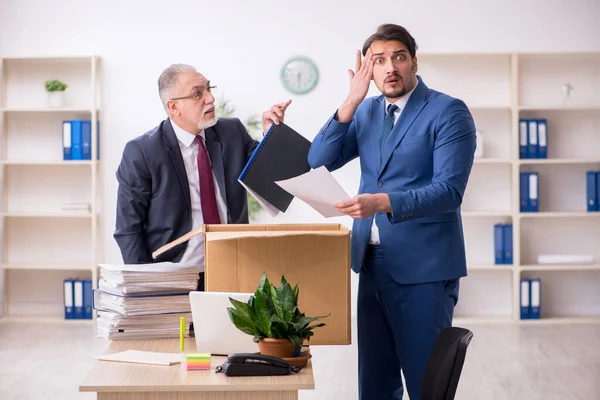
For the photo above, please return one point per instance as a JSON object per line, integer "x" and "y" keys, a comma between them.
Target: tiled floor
{"x": 47, "y": 360}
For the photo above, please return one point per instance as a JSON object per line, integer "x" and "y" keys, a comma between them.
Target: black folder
{"x": 282, "y": 154}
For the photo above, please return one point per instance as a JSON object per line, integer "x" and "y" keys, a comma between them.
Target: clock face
{"x": 299, "y": 75}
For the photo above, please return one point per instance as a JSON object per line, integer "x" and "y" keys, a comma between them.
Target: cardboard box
{"x": 316, "y": 256}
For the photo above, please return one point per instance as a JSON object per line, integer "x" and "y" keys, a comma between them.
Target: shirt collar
{"x": 401, "y": 103}
{"x": 184, "y": 136}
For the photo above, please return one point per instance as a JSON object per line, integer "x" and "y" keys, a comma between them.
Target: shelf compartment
{"x": 479, "y": 242}
{"x": 570, "y": 236}
{"x": 25, "y": 82}
{"x": 28, "y": 185}
{"x": 561, "y": 188}
{"x": 39, "y": 293}
{"x": 33, "y": 241}
{"x": 571, "y": 134}
{"x": 568, "y": 294}
{"x": 542, "y": 78}
{"x": 37, "y": 137}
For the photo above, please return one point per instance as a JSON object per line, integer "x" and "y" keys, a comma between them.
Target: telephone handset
{"x": 253, "y": 364}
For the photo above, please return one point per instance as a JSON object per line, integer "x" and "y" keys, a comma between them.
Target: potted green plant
{"x": 272, "y": 316}
{"x": 56, "y": 90}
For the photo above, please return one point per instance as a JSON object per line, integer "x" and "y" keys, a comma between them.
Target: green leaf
{"x": 240, "y": 306}
{"x": 287, "y": 300}
{"x": 261, "y": 311}
{"x": 296, "y": 290}
{"x": 297, "y": 340}
{"x": 264, "y": 283}
{"x": 277, "y": 321}
{"x": 276, "y": 303}
{"x": 241, "y": 321}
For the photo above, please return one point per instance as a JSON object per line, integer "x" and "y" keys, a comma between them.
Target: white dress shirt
{"x": 401, "y": 103}
{"x": 194, "y": 253}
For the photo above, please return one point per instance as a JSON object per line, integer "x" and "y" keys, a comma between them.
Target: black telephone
{"x": 253, "y": 364}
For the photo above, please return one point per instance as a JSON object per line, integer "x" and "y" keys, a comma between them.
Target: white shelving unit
{"x": 42, "y": 243}
{"x": 499, "y": 90}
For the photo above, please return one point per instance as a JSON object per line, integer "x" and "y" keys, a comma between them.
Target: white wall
{"x": 241, "y": 46}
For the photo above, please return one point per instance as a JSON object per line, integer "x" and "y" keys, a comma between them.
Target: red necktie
{"x": 208, "y": 199}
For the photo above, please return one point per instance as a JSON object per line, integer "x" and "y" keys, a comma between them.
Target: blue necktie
{"x": 388, "y": 124}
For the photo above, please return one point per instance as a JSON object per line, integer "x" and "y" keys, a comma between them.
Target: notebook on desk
{"x": 143, "y": 357}
{"x": 282, "y": 154}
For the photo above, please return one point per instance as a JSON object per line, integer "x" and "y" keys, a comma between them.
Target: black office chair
{"x": 445, "y": 364}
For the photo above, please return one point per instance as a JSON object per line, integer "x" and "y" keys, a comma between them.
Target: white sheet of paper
{"x": 319, "y": 189}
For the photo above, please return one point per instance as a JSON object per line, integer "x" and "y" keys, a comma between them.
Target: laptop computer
{"x": 214, "y": 331}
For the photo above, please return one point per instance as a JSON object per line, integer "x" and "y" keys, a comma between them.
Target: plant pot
{"x": 56, "y": 99}
{"x": 281, "y": 348}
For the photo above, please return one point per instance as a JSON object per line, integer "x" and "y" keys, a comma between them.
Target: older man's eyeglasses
{"x": 197, "y": 95}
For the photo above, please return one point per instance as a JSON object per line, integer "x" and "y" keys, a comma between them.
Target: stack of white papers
{"x": 143, "y": 301}
{"x": 113, "y": 326}
{"x": 159, "y": 278}
{"x": 130, "y": 306}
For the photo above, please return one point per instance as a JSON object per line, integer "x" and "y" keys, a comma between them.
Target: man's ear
{"x": 172, "y": 106}
{"x": 415, "y": 65}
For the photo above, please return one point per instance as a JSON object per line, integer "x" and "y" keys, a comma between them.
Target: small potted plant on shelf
{"x": 56, "y": 90}
{"x": 272, "y": 316}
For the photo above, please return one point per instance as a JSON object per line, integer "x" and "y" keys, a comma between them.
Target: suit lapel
{"x": 213, "y": 146}
{"x": 376, "y": 115}
{"x": 175, "y": 153}
{"x": 407, "y": 116}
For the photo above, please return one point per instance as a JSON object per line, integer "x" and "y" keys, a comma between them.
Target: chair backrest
{"x": 445, "y": 364}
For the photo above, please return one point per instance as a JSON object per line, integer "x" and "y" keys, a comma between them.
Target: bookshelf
{"x": 500, "y": 89}
{"x": 43, "y": 240}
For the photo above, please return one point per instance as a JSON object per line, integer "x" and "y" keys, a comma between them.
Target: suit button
{"x": 379, "y": 184}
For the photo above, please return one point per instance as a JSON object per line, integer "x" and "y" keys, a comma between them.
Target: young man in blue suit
{"x": 183, "y": 173}
{"x": 416, "y": 148}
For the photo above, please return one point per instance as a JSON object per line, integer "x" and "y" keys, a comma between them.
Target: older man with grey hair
{"x": 183, "y": 173}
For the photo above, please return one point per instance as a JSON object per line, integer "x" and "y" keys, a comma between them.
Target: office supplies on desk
{"x": 197, "y": 361}
{"x": 282, "y": 154}
{"x": 181, "y": 334}
{"x": 250, "y": 364}
{"x": 143, "y": 357}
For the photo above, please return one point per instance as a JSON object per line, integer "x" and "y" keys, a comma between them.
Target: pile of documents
{"x": 143, "y": 301}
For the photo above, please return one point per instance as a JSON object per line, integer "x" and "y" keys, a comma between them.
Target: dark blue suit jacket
{"x": 426, "y": 164}
{"x": 153, "y": 202}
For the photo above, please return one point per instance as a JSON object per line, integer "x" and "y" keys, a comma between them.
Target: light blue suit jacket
{"x": 426, "y": 164}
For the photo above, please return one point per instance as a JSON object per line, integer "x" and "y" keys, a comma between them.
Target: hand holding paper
{"x": 365, "y": 205}
{"x": 319, "y": 189}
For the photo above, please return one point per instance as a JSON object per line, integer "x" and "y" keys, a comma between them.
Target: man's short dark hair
{"x": 387, "y": 32}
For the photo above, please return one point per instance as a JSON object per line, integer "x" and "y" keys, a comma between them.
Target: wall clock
{"x": 299, "y": 75}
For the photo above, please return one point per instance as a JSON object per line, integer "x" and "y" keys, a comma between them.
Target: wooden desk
{"x": 126, "y": 381}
